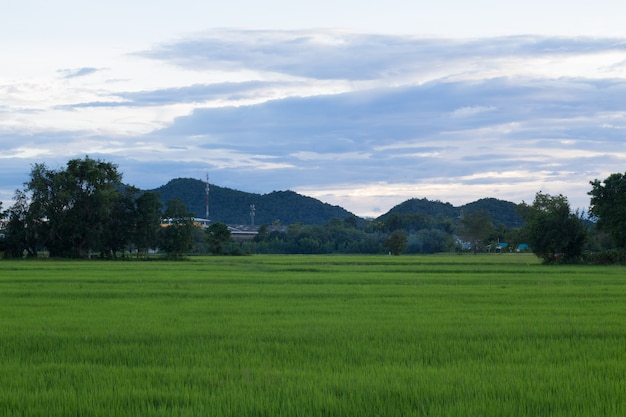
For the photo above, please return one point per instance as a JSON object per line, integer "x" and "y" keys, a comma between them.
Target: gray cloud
{"x": 337, "y": 55}
{"x": 389, "y": 116}
{"x": 79, "y": 72}
{"x": 190, "y": 94}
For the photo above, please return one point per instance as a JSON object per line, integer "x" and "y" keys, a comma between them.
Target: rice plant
{"x": 312, "y": 336}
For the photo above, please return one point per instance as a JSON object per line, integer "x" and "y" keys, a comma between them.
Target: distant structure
{"x": 207, "y": 200}
{"x": 252, "y": 213}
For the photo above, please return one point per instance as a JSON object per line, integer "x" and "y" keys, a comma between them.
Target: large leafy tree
{"x": 176, "y": 238}
{"x": 552, "y": 230}
{"x": 608, "y": 206}
{"x": 74, "y": 204}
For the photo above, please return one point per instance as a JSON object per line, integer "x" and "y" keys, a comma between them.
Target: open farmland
{"x": 312, "y": 336}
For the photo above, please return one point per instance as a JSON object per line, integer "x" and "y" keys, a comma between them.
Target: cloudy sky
{"x": 358, "y": 103}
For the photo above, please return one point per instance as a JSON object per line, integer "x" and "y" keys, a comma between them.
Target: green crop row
{"x": 312, "y": 336}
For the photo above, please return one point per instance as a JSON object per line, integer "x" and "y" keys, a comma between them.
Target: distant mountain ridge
{"x": 233, "y": 207}
{"x": 502, "y": 212}
{"x": 287, "y": 207}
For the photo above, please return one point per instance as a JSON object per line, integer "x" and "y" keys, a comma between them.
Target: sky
{"x": 360, "y": 104}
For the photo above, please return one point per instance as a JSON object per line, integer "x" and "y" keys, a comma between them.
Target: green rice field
{"x": 441, "y": 335}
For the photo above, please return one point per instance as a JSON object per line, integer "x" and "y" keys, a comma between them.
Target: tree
{"x": 75, "y": 204}
{"x": 218, "y": 236}
{"x": 553, "y": 232}
{"x": 176, "y": 238}
{"x": 147, "y": 223}
{"x": 475, "y": 228}
{"x": 431, "y": 241}
{"x": 261, "y": 234}
{"x": 2, "y": 231}
{"x": 397, "y": 242}
{"x": 121, "y": 224}
{"x": 608, "y": 206}
{"x": 20, "y": 230}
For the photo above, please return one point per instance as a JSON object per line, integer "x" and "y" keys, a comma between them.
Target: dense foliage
{"x": 337, "y": 236}
{"x": 72, "y": 211}
{"x": 80, "y": 211}
{"x": 608, "y": 206}
{"x": 148, "y": 216}
{"x": 218, "y": 236}
{"x": 176, "y": 236}
{"x": 397, "y": 242}
{"x": 552, "y": 230}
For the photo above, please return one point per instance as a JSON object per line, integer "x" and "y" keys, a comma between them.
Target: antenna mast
{"x": 207, "y": 199}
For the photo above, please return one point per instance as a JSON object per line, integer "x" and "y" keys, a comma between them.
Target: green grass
{"x": 495, "y": 335}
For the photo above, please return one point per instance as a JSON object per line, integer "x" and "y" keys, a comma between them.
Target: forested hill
{"x": 233, "y": 207}
{"x": 423, "y": 206}
{"x": 287, "y": 207}
{"x": 502, "y": 212}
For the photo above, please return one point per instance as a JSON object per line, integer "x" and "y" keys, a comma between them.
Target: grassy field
{"x": 497, "y": 335}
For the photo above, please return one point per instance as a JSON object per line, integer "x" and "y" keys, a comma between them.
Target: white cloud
{"x": 337, "y": 157}
{"x": 470, "y": 111}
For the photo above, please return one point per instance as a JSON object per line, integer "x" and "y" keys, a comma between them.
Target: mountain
{"x": 502, "y": 212}
{"x": 233, "y": 207}
{"x": 287, "y": 207}
{"x": 423, "y": 206}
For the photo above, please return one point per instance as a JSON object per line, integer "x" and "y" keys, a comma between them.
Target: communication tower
{"x": 252, "y": 213}
{"x": 207, "y": 200}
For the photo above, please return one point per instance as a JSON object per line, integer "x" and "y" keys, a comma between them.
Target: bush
{"x": 606, "y": 257}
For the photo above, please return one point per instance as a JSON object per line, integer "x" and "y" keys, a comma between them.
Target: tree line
{"x": 84, "y": 210}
